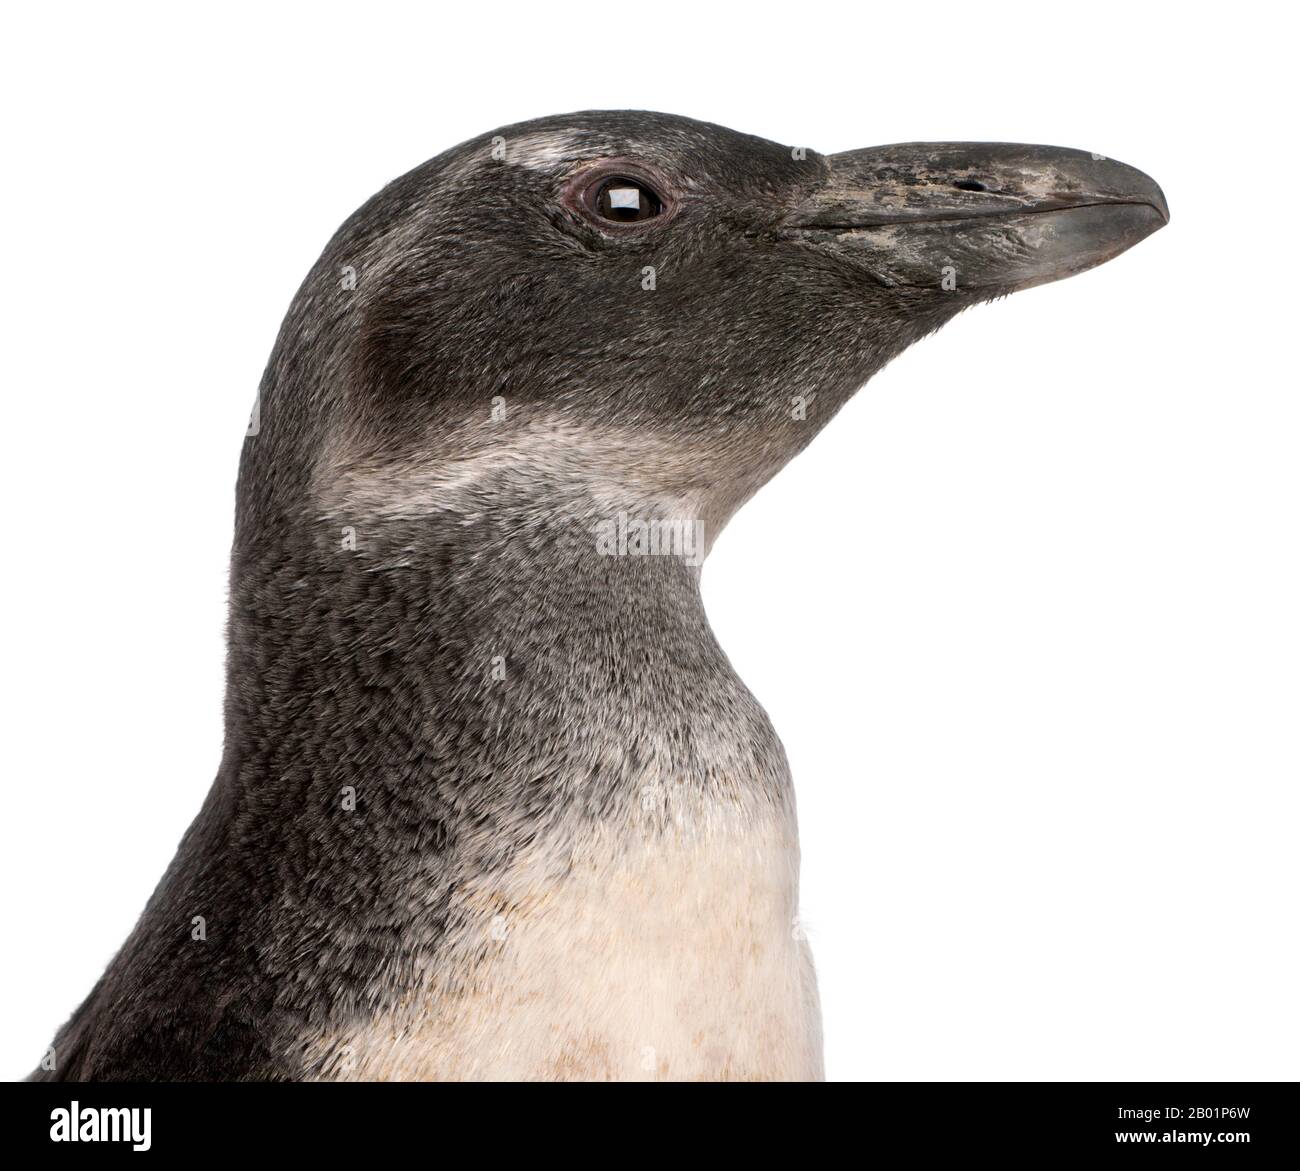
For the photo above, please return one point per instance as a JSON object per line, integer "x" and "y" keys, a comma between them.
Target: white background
{"x": 1025, "y": 614}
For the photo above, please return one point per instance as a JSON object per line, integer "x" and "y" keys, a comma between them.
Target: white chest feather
{"x": 666, "y": 958}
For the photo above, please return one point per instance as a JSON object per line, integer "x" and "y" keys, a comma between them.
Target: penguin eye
{"x": 621, "y": 196}
{"x": 624, "y": 201}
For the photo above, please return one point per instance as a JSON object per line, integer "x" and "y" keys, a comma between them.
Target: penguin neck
{"x": 501, "y": 643}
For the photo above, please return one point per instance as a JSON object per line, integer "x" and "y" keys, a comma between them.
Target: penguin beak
{"x": 993, "y": 217}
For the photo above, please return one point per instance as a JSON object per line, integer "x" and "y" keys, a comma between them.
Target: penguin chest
{"x": 665, "y": 957}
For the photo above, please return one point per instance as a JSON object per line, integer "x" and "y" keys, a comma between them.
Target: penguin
{"x": 492, "y": 803}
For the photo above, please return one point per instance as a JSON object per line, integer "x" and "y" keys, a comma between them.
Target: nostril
{"x": 969, "y": 185}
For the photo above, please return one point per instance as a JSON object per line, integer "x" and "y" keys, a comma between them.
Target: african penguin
{"x": 493, "y": 803}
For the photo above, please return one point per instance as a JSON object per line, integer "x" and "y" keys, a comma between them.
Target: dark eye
{"x": 625, "y": 201}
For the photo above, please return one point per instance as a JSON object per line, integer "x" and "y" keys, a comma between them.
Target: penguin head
{"x": 651, "y": 308}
